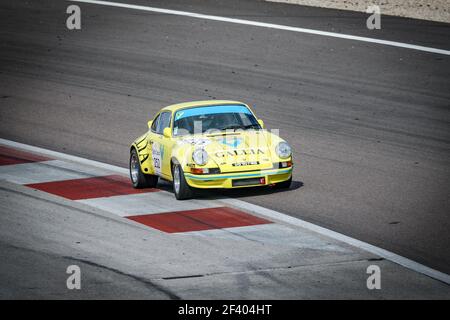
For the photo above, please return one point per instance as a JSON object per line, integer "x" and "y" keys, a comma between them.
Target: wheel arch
{"x": 144, "y": 156}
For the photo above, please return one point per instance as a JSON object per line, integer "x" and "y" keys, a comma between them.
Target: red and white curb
{"x": 113, "y": 193}
{"x": 108, "y": 187}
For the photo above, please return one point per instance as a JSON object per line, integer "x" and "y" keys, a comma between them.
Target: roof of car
{"x": 203, "y": 103}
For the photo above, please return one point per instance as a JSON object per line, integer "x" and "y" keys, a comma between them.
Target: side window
{"x": 164, "y": 122}
{"x": 155, "y": 123}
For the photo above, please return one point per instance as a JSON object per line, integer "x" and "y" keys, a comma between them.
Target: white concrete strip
{"x": 273, "y": 234}
{"x": 146, "y": 203}
{"x": 63, "y": 156}
{"x": 46, "y": 171}
{"x": 271, "y": 214}
{"x": 267, "y": 25}
{"x": 405, "y": 262}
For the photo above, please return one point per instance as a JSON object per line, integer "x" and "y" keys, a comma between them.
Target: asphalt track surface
{"x": 369, "y": 123}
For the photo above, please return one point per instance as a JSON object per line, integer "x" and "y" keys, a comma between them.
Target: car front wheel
{"x": 180, "y": 187}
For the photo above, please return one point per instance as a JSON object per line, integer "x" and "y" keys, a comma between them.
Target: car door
{"x": 161, "y": 146}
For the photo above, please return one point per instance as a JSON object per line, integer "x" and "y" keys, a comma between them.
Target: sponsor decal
{"x": 233, "y": 143}
{"x": 161, "y": 151}
{"x": 239, "y": 152}
{"x": 198, "y": 142}
{"x": 179, "y": 115}
{"x": 245, "y": 163}
{"x": 157, "y": 154}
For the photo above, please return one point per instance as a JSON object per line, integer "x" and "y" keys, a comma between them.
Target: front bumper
{"x": 225, "y": 180}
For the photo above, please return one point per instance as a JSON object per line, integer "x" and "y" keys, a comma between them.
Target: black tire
{"x": 140, "y": 179}
{"x": 284, "y": 185}
{"x": 182, "y": 190}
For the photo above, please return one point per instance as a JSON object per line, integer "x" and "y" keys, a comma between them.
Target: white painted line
{"x": 272, "y": 214}
{"x": 267, "y": 25}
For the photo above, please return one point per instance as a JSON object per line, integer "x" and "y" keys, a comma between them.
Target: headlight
{"x": 200, "y": 157}
{"x": 283, "y": 150}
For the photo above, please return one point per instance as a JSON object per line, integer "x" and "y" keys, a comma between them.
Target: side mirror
{"x": 167, "y": 132}
{"x": 261, "y": 123}
{"x": 150, "y": 124}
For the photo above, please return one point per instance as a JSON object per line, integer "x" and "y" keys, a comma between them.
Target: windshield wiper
{"x": 234, "y": 127}
{"x": 254, "y": 126}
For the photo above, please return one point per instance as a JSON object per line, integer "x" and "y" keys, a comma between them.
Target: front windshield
{"x": 213, "y": 119}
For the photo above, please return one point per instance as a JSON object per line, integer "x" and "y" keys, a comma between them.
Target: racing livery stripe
{"x": 262, "y": 173}
{"x": 200, "y": 219}
{"x": 95, "y": 187}
{"x": 9, "y": 156}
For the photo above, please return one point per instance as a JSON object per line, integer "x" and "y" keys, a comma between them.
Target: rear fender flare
{"x": 143, "y": 149}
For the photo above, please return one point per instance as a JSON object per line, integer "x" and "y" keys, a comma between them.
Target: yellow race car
{"x": 209, "y": 144}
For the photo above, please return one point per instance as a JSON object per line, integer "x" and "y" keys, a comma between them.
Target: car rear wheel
{"x": 180, "y": 187}
{"x": 284, "y": 185}
{"x": 138, "y": 178}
